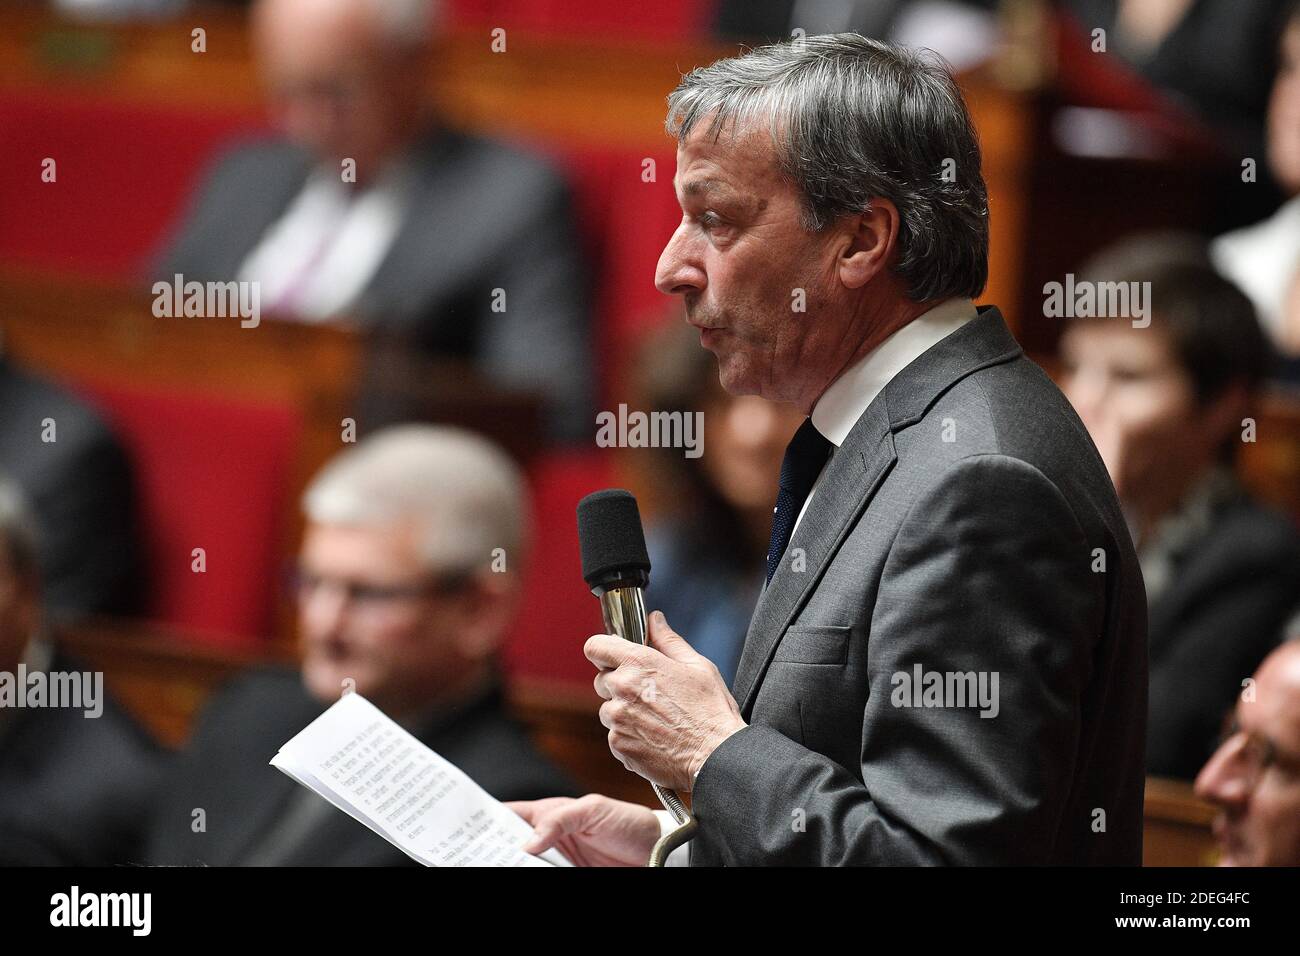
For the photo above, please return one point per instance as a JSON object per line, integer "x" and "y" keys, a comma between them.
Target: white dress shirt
{"x": 1263, "y": 261}
{"x": 315, "y": 260}
{"x": 844, "y": 402}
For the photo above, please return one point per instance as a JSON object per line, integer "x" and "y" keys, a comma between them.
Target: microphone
{"x": 616, "y": 567}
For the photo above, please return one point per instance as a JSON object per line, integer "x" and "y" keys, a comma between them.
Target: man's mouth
{"x": 709, "y": 335}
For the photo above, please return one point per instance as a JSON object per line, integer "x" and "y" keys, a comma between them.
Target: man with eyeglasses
{"x": 407, "y": 583}
{"x": 1254, "y": 776}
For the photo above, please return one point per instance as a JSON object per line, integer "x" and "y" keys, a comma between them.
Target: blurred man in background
{"x": 368, "y": 209}
{"x": 79, "y": 483}
{"x": 76, "y": 777}
{"x": 1167, "y": 404}
{"x": 1254, "y": 776}
{"x": 407, "y": 585}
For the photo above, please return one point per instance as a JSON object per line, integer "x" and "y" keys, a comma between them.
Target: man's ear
{"x": 871, "y": 242}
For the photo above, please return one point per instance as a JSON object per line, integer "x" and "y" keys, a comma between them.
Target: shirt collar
{"x": 843, "y": 403}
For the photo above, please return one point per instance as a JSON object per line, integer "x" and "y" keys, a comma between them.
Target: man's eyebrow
{"x": 704, "y": 187}
{"x": 701, "y": 187}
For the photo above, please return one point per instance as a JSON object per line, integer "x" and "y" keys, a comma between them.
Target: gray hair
{"x": 19, "y": 532}
{"x": 463, "y": 493}
{"x": 852, "y": 119}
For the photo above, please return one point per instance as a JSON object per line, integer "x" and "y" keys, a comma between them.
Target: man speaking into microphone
{"x": 947, "y": 663}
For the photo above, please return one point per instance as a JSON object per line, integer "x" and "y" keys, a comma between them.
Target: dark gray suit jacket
{"x": 1225, "y": 608}
{"x": 74, "y": 790}
{"x": 481, "y": 216}
{"x": 82, "y": 491}
{"x": 969, "y": 555}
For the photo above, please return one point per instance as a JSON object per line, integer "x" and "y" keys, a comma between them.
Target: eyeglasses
{"x": 1253, "y": 751}
{"x": 369, "y": 596}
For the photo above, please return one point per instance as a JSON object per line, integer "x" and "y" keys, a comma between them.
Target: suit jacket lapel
{"x": 854, "y": 473}
{"x": 851, "y": 478}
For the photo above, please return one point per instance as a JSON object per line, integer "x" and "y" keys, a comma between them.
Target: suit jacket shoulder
{"x": 952, "y": 666}
{"x": 75, "y": 790}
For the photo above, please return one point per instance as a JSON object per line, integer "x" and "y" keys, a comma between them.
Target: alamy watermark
{"x": 634, "y": 429}
{"x": 75, "y": 908}
{"x": 922, "y": 688}
{"x": 208, "y": 300}
{"x": 1084, "y": 299}
{"x": 77, "y": 690}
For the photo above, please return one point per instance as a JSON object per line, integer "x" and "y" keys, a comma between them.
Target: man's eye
{"x": 1128, "y": 375}
{"x": 710, "y": 220}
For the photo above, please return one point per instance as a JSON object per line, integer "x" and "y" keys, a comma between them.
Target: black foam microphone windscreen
{"x": 610, "y": 536}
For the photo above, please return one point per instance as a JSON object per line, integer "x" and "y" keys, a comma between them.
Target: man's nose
{"x": 677, "y": 272}
{"x": 1223, "y": 779}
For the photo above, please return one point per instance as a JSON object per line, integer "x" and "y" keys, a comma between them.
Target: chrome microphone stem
{"x": 623, "y": 610}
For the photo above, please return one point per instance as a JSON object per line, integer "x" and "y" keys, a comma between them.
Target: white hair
{"x": 463, "y": 493}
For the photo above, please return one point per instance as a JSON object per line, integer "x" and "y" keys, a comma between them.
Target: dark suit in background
{"x": 1229, "y": 596}
{"x": 81, "y": 489}
{"x": 74, "y": 790}
{"x": 970, "y": 555}
{"x": 257, "y": 815}
{"x": 479, "y": 216}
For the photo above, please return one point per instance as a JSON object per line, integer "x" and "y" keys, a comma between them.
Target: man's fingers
{"x": 555, "y": 823}
{"x": 667, "y": 641}
{"x": 530, "y": 810}
{"x": 608, "y": 652}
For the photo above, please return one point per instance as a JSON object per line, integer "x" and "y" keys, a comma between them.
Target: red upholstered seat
{"x": 559, "y": 612}
{"x": 624, "y": 223}
{"x": 213, "y": 474}
{"x": 123, "y": 173}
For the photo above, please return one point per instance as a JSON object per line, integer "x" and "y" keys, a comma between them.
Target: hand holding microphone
{"x": 666, "y": 707}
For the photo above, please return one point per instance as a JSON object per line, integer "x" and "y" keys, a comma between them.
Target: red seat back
{"x": 214, "y": 474}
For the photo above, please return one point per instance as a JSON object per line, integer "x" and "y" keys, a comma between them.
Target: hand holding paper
{"x": 366, "y": 765}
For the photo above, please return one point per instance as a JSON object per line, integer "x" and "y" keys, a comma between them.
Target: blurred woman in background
{"x": 1166, "y": 405}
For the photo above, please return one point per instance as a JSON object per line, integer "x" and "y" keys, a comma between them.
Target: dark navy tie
{"x": 804, "y": 458}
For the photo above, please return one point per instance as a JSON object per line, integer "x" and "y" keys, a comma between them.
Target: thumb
{"x": 667, "y": 641}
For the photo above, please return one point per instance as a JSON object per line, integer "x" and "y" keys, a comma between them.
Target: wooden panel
{"x": 1177, "y": 827}
{"x": 162, "y": 678}
{"x": 1270, "y": 466}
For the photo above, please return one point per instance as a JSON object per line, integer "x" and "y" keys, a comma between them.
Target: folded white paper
{"x": 358, "y": 759}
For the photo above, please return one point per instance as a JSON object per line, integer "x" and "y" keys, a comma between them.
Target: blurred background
{"x": 518, "y": 145}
